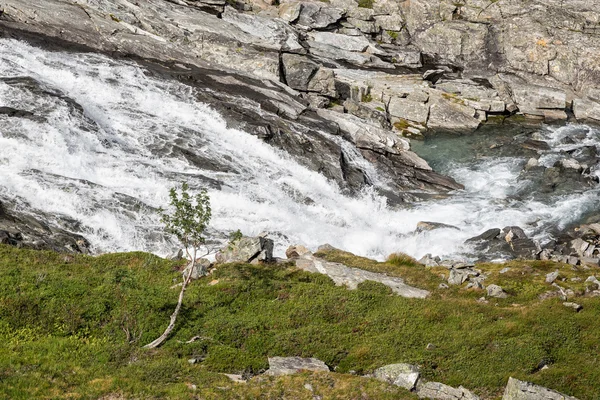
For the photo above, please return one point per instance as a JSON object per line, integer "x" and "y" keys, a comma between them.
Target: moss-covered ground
{"x": 74, "y": 327}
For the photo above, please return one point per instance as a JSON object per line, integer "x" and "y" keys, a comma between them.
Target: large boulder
{"x": 520, "y": 390}
{"x": 247, "y": 250}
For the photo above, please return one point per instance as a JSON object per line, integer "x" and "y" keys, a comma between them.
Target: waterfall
{"x": 100, "y": 142}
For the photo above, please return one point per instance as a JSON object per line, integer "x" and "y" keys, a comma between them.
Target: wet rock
{"x": 520, "y": 390}
{"x": 490, "y": 234}
{"x": 423, "y": 226}
{"x": 21, "y": 229}
{"x": 537, "y": 145}
{"x": 403, "y": 375}
{"x": 279, "y": 366}
{"x": 496, "y": 291}
{"x": 247, "y": 250}
{"x": 436, "y": 390}
{"x": 351, "y": 277}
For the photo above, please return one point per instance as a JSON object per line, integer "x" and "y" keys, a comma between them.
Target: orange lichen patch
{"x": 542, "y": 42}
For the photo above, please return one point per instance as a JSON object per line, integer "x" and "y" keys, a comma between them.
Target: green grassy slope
{"x": 66, "y": 323}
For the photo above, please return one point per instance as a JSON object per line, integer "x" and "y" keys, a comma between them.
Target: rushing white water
{"x": 108, "y": 161}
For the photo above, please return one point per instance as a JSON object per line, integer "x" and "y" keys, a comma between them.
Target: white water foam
{"x": 110, "y": 164}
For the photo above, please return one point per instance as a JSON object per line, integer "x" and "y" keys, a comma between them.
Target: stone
{"x": 429, "y": 261}
{"x": 290, "y": 11}
{"x": 454, "y": 42}
{"x": 575, "y": 306}
{"x": 520, "y": 390}
{"x": 437, "y": 390}
{"x": 363, "y": 26}
{"x": 496, "y": 291}
{"x": 296, "y": 251}
{"x": 200, "y": 268}
{"x": 393, "y": 22}
{"x": 409, "y": 110}
{"x": 403, "y": 375}
{"x": 586, "y": 110}
{"x": 423, "y": 226}
{"x": 490, "y": 234}
{"x": 534, "y": 100}
{"x": 351, "y": 277}
{"x": 247, "y": 250}
{"x": 457, "y": 277}
{"x": 298, "y": 70}
{"x": 552, "y": 276}
{"x": 318, "y": 16}
{"x": 279, "y": 366}
{"x": 450, "y": 113}
{"x": 504, "y": 270}
{"x": 433, "y": 75}
{"x": 349, "y": 43}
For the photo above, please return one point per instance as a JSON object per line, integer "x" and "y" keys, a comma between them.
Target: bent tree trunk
{"x": 158, "y": 341}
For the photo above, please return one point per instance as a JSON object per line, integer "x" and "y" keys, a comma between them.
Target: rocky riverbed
{"x": 307, "y": 133}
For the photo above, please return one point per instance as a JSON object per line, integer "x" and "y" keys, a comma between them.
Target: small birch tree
{"x": 187, "y": 221}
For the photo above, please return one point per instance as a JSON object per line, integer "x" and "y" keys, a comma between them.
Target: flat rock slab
{"x": 520, "y": 390}
{"x": 437, "y": 390}
{"x": 291, "y": 365}
{"x": 351, "y": 277}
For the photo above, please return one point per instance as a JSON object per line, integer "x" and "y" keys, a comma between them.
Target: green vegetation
{"x": 366, "y": 98}
{"x": 187, "y": 222}
{"x": 366, "y": 3}
{"x": 73, "y": 326}
{"x": 392, "y": 34}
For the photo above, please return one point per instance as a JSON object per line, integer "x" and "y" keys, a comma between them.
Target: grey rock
{"x": 318, "y": 16}
{"x": 586, "y": 110}
{"x": 534, "y": 100}
{"x": 200, "y": 268}
{"x": 403, "y": 375}
{"x": 485, "y": 236}
{"x": 437, "y": 390}
{"x": 450, "y": 113}
{"x": 408, "y": 109}
{"x": 423, "y": 226}
{"x": 351, "y": 277}
{"x": 496, "y": 291}
{"x": 433, "y": 75}
{"x": 392, "y": 22}
{"x": 429, "y": 261}
{"x": 551, "y": 277}
{"x": 457, "y": 277}
{"x": 520, "y": 390}
{"x": 575, "y": 306}
{"x": 247, "y": 250}
{"x": 279, "y": 366}
{"x": 349, "y": 43}
{"x": 298, "y": 70}
{"x": 296, "y": 251}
